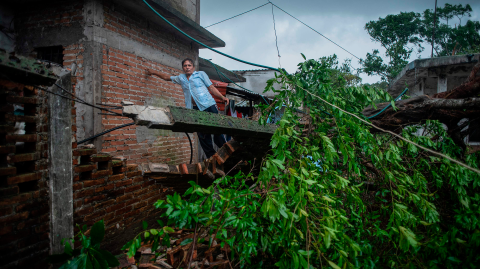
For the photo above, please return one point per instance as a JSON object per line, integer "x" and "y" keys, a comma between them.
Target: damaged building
{"x": 73, "y": 148}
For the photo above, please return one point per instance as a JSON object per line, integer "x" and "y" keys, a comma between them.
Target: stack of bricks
{"x": 24, "y": 202}
{"x": 105, "y": 187}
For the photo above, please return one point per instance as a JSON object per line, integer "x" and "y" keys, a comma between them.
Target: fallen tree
{"x": 457, "y": 109}
{"x": 334, "y": 191}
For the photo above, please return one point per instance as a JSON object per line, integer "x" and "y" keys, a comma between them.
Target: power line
{"x": 276, "y": 38}
{"x": 239, "y": 14}
{"x": 315, "y": 30}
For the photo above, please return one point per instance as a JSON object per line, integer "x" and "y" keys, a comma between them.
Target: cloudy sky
{"x": 251, "y": 36}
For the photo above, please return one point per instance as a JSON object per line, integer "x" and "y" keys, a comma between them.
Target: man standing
{"x": 198, "y": 90}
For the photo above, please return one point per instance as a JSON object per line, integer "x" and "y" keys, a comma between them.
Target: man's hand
{"x": 151, "y": 72}
{"x": 226, "y": 100}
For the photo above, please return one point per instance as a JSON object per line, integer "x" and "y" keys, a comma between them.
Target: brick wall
{"x": 109, "y": 189}
{"x": 104, "y": 188}
{"x": 51, "y": 15}
{"x": 123, "y": 78}
{"x": 24, "y": 203}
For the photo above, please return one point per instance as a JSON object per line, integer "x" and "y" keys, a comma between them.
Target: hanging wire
{"x": 239, "y": 14}
{"x": 276, "y": 38}
{"x": 315, "y": 30}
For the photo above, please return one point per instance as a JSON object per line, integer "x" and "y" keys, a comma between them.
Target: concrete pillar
{"x": 442, "y": 83}
{"x": 60, "y": 165}
{"x": 92, "y": 60}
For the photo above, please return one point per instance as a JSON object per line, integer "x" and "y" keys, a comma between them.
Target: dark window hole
{"x": 85, "y": 175}
{"x": 102, "y": 166}
{"x": 117, "y": 170}
{"x": 85, "y": 160}
{"x": 52, "y": 54}
{"x": 28, "y": 186}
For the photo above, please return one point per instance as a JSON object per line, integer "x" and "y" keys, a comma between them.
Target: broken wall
{"x": 24, "y": 200}
{"x": 111, "y": 47}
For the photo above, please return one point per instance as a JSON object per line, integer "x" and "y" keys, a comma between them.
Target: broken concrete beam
{"x": 179, "y": 119}
{"x": 188, "y": 120}
{"x": 150, "y": 116}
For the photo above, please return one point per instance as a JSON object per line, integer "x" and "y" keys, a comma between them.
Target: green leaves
{"x": 97, "y": 232}
{"x": 90, "y": 256}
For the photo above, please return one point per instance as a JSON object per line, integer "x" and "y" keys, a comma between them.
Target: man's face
{"x": 188, "y": 68}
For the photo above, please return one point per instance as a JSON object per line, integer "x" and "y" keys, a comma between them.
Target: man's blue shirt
{"x": 196, "y": 87}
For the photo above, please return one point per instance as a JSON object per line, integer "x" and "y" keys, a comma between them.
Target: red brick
{"x": 7, "y": 149}
{"x": 85, "y": 168}
{"x": 123, "y": 183}
{"x": 84, "y": 211}
{"x": 133, "y": 188}
{"x": 94, "y": 215}
{"x": 102, "y": 173}
{"x": 134, "y": 174}
{"x": 16, "y": 217}
{"x": 16, "y": 199}
{"x": 124, "y": 197}
{"x": 95, "y": 198}
{"x": 116, "y": 177}
{"x": 8, "y": 191}
{"x": 26, "y": 157}
{"x": 83, "y": 193}
{"x": 115, "y": 207}
{"x": 6, "y": 171}
{"x": 89, "y": 183}
{"x": 21, "y": 138}
{"x": 123, "y": 211}
{"x": 84, "y": 152}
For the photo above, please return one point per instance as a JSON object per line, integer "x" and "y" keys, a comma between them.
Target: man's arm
{"x": 158, "y": 74}
{"x": 215, "y": 92}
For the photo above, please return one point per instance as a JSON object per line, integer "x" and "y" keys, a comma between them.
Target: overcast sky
{"x": 251, "y": 36}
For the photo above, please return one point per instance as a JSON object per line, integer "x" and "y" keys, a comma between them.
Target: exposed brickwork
{"x": 103, "y": 188}
{"x": 118, "y": 194}
{"x": 136, "y": 27}
{"x": 24, "y": 208}
{"x": 51, "y": 15}
{"x": 123, "y": 78}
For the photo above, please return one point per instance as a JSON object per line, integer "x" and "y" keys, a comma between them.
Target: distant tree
{"x": 404, "y": 33}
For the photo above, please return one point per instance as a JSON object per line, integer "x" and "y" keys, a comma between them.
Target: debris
{"x": 204, "y": 256}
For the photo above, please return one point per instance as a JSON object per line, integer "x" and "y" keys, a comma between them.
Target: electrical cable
{"x": 276, "y": 39}
{"x": 191, "y": 147}
{"x": 389, "y": 105}
{"x": 315, "y": 30}
{"x": 80, "y": 100}
{"x": 239, "y": 60}
{"x": 200, "y": 43}
{"x": 105, "y": 132}
{"x": 238, "y": 14}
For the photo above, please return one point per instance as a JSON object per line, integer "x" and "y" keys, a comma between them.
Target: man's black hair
{"x": 190, "y": 60}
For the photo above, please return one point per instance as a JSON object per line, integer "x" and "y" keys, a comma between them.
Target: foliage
{"x": 90, "y": 255}
{"x": 331, "y": 193}
{"x": 341, "y": 75}
{"x": 402, "y": 34}
{"x": 156, "y": 237}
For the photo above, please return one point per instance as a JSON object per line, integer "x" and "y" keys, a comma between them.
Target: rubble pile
{"x": 204, "y": 256}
